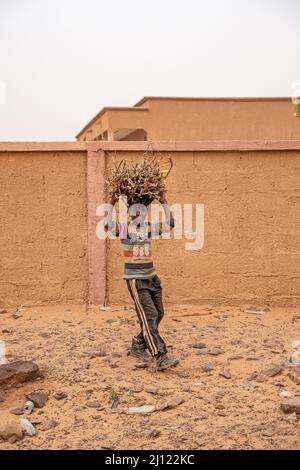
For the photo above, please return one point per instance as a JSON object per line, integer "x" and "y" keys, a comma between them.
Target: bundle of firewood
{"x": 141, "y": 182}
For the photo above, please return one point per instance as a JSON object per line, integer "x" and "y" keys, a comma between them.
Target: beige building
{"x": 171, "y": 118}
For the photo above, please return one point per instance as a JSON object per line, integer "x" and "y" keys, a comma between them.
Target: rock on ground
{"x": 18, "y": 372}
{"x": 291, "y": 405}
{"x": 10, "y": 428}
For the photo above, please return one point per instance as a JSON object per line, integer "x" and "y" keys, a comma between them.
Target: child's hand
{"x": 162, "y": 198}
{"x": 113, "y": 200}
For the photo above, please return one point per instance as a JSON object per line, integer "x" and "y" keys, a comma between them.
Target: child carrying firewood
{"x": 142, "y": 281}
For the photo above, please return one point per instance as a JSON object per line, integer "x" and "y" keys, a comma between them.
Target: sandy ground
{"x": 83, "y": 353}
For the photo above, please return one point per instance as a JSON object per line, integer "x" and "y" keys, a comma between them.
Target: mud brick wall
{"x": 251, "y": 251}
{"x": 43, "y": 232}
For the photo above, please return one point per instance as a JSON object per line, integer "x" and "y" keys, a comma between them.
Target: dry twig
{"x": 141, "y": 182}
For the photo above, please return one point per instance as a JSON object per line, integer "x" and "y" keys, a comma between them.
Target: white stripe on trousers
{"x": 146, "y": 329}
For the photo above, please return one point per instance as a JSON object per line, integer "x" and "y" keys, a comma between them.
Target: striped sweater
{"x": 137, "y": 248}
{"x": 138, "y": 256}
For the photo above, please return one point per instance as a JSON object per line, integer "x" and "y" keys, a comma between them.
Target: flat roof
{"x": 211, "y": 98}
{"x": 109, "y": 108}
{"x": 138, "y": 105}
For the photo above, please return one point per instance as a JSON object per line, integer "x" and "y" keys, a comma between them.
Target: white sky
{"x": 61, "y": 61}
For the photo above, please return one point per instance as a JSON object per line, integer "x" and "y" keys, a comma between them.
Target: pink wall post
{"x": 96, "y": 247}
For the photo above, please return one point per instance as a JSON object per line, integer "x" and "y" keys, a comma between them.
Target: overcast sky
{"x": 61, "y": 61}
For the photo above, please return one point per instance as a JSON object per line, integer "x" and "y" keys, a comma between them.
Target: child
{"x": 144, "y": 285}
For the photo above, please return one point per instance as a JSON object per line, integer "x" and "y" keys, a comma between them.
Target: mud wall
{"x": 251, "y": 251}
{"x": 43, "y": 232}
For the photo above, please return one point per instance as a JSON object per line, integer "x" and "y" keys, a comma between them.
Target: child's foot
{"x": 141, "y": 354}
{"x": 164, "y": 362}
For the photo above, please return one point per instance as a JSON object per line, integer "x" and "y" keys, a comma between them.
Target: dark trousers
{"x": 147, "y": 297}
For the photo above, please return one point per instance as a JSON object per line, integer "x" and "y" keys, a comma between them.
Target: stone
{"x": 272, "y": 371}
{"x": 116, "y": 354}
{"x": 226, "y": 374}
{"x": 290, "y": 405}
{"x": 153, "y": 390}
{"x": 141, "y": 365}
{"x": 27, "y": 426}
{"x": 292, "y": 417}
{"x": 145, "y": 409}
{"x": 183, "y": 373}
{"x": 202, "y": 416}
{"x": 60, "y": 395}
{"x": 286, "y": 394}
{"x": 295, "y": 376}
{"x": 172, "y": 403}
{"x": 202, "y": 352}
{"x": 7, "y": 330}
{"x": 220, "y": 393}
{"x": 93, "y": 404}
{"x": 44, "y": 335}
{"x": 256, "y": 310}
{"x": 219, "y": 406}
{"x": 97, "y": 354}
{"x": 257, "y": 377}
{"x": 3, "y": 310}
{"x": 10, "y": 430}
{"x": 18, "y": 372}
{"x": 248, "y": 385}
{"x": 207, "y": 367}
{"x": 153, "y": 433}
{"x": 38, "y": 398}
{"x": 215, "y": 351}
{"x": 199, "y": 346}
{"x": 50, "y": 424}
{"x": 136, "y": 389}
{"x": 268, "y": 432}
{"x": 15, "y": 316}
{"x": 17, "y": 411}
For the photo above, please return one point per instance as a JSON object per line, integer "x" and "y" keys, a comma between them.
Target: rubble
{"x": 272, "y": 371}
{"x": 50, "y": 424}
{"x": 215, "y": 351}
{"x": 172, "y": 403}
{"x": 27, "y": 426}
{"x": 145, "y": 409}
{"x": 28, "y": 407}
{"x": 38, "y": 398}
{"x": 10, "y": 429}
{"x": 290, "y": 405}
{"x": 256, "y": 310}
{"x": 153, "y": 390}
{"x": 17, "y": 411}
{"x": 226, "y": 374}
{"x": 18, "y": 372}
{"x": 199, "y": 345}
{"x": 60, "y": 395}
{"x": 295, "y": 376}
{"x": 207, "y": 367}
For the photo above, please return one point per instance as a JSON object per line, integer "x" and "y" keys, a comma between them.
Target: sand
{"x": 83, "y": 353}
